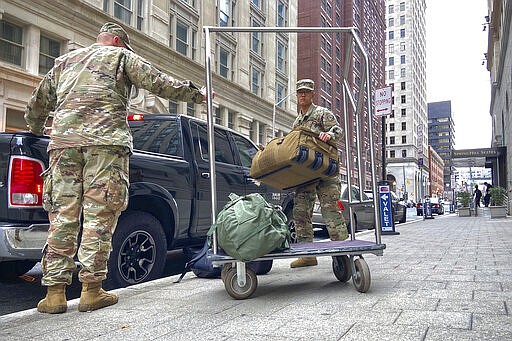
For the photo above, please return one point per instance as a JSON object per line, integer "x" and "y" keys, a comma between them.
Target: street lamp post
{"x": 405, "y": 186}
{"x": 274, "y": 113}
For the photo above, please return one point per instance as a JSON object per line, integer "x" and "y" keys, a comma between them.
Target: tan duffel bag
{"x": 298, "y": 159}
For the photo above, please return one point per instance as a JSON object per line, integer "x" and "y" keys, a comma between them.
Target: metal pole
{"x": 405, "y": 186}
{"x": 274, "y": 113}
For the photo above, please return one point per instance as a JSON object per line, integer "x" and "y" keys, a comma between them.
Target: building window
{"x": 402, "y": 85}
{"x": 391, "y": 22}
{"x": 391, "y": 35}
{"x": 391, "y": 48}
{"x": 281, "y": 57}
{"x": 256, "y": 81}
{"x": 282, "y": 13}
{"x": 402, "y": 6}
{"x": 391, "y": 61}
{"x": 11, "y": 42}
{"x": 280, "y": 94}
{"x": 391, "y": 74}
{"x": 403, "y": 112}
{"x": 404, "y": 139}
{"x": 173, "y": 107}
{"x": 402, "y": 59}
{"x": 402, "y": 99}
{"x": 226, "y": 13}
{"x": 257, "y": 42}
{"x": 391, "y": 127}
{"x": 402, "y": 72}
{"x": 223, "y": 63}
{"x": 257, "y": 3}
{"x": 391, "y": 140}
{"x": 391, "y": 154}
{"x": 404, "y": 153}
{"x": 391, "y": 9}
{"x": 128, "y": 11}
{"x": 190, "y": 109}
{"x": 181, "y": 38}
{"x": 402, "y": 33}
{"x": 402, "y": 47}
{"x": 49, "y": 49}
{"x": 404, "y": 125}
{"x": 402, "y": 20}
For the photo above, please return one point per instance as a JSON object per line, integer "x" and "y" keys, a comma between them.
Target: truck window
{"x": 246, "y": 150}
{"x": 156, "y": 136}
{"x": 223, "y": 152}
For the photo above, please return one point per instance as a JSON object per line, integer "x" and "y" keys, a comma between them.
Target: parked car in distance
{"x": 435, "y": 204}
{"x": 398, "y": 206}
{"x": 362, "y": 210}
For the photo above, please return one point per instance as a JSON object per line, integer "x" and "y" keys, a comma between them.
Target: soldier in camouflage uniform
{"x": 323, "y": 122}
{"x": 87, "y": 91}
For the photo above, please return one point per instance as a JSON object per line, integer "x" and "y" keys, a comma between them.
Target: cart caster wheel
{"x": 342, "y": 268}
{"x": 361, "y": 278}
{"x": 234, "y": 290}
{"x": 225, "y": 270}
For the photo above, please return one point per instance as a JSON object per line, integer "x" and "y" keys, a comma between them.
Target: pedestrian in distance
{"x": 478, "y": 196}
{"x": 87, "y": 92}
{"x": 487, "y": 196}
{"x": 322, "y": 121}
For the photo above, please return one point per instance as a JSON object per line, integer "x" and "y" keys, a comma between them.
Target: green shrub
{"x": 464, "y": 198}
{"x": 498, "y": 195}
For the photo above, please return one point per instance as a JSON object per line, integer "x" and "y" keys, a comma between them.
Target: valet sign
{"x": 386, "y": 216}
{"x": 383, "y": 101}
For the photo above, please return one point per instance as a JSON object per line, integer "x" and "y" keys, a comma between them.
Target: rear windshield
{"x": 158, "y": 136}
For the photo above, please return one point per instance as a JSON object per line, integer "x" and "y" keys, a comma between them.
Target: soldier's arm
{"x": 41, "y": 103}
{"x": 331, "y": 126}
{"x": 144, "y": 75}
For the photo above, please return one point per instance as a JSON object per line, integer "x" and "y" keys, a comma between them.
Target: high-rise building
{"x": 406, "y": 128}
{"x": 321, "y": 57}
{"x": 170, "y": 35}
{"x": 441, "y": 136}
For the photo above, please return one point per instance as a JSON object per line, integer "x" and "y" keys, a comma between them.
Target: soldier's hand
{"x": 324, "y": 136}
{"x": 204, "y": 93}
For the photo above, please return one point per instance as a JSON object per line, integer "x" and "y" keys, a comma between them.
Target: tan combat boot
{"x": 304, "y": 261}
{"x": 94, "y": 297}
{"x": 55, "y": 300}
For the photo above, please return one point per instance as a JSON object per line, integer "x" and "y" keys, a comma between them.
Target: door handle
{"x": 205, "y": 175}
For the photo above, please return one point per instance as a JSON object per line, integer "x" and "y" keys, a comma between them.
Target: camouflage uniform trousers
{"x": 328, "y": 194}
{"x": 89, "y": 181}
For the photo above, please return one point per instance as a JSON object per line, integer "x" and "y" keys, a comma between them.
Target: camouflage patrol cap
{"x": 305, "y": 84}
{"x": 117, "y": 30}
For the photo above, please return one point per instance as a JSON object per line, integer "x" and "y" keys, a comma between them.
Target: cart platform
{"x": 324, "y": 248}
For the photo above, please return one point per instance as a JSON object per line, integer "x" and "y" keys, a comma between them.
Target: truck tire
{"x": 139, "y": 250}
{"x": 11, "y": 269}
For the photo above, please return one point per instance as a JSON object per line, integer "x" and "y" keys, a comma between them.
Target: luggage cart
{"x": 347, "y": 256}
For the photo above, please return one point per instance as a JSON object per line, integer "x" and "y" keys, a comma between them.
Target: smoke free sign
{"x": 383, "y": 101}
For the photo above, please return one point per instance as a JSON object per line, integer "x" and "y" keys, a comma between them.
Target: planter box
{"x": 498, "y": 211}
{"x": 464, "y": 212}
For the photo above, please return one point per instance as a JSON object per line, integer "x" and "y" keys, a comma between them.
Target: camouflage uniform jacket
{"x": 88, "y": 91}
{"x": 319, "y": 119}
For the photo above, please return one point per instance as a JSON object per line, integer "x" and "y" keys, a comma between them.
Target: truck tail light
{"x": 25, "y": 182}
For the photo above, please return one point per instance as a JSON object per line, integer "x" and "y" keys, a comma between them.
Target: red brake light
{"x": 25, "y": 183}
{"x": 135, "y": 117}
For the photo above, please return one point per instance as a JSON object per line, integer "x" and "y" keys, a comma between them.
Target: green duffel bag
{"x": 249, "y": 227}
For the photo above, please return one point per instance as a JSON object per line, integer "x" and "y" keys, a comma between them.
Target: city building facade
{"x": 499, "y": 64}
{"x": 322, "y": 57}
{"x": 441, "y": 137}
{"x": 169, "y": 34}
{"x": 436, "y": 175}
{"x": 406, "y": 128}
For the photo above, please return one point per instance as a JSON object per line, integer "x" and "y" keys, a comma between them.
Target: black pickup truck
{"x": 170, "y": 196}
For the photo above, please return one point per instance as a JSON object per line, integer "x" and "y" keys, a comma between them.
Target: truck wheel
{"x": 139, "y": 250}
{"x": 11, "y": 269}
